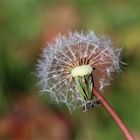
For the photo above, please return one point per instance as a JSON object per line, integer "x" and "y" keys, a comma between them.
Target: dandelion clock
{"x": 75, "y": 69}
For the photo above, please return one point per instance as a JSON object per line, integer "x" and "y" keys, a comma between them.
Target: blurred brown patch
{"x": 29, "y": 120}
{"x": 63, "y": 17}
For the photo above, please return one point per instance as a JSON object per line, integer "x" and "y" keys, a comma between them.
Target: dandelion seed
{"x": 72, "y": 64}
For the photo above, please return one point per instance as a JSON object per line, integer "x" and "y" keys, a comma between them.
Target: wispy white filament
{"x": 58, "y": 59}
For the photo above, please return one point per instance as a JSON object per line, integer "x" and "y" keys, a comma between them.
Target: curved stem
{"x": 114, "y": 115}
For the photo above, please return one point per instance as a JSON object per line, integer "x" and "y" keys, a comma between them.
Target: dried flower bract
{"x": 71, "y": 65}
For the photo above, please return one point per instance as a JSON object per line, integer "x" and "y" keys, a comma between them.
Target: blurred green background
{"x": 24, "y": 27}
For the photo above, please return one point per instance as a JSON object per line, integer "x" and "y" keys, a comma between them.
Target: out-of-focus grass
{"x": 22, "y": 25}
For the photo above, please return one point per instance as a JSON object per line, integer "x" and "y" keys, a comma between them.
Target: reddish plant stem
{"x": 114, "y": 115}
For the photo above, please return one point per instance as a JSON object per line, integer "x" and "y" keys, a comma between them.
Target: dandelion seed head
{"x": 63, "y": 57}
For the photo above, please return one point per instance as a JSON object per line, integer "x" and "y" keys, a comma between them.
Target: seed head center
{"x": 82, "y": 70}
